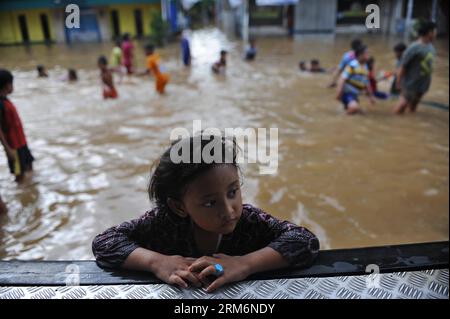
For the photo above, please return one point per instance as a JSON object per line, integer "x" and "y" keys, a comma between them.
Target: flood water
{"x": 355, "y": 181}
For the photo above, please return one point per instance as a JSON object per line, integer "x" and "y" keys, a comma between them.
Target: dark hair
{"x": 370, "y": 62}
{"x": 102, "y": 60}
{"x": 222, "y": 52}
{"x": 315, "y": 62}
{"x": 400, "y": 47}
{"x": 355, "y": 44}
{"x": 425, "y": 28}
{"x": 40, "y": 68}
{"x": 149, "y": 47}
{"x": 73, "y": 74}
{"x": 118, "y": 43}
{"x": 6, "y": 77}
{"x": 170, "y": 179}
{"x": 360, "y": 50}
{"x": 126, "y": 37}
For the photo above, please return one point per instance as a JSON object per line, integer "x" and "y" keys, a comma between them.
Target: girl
{"x": 199, "y": 228}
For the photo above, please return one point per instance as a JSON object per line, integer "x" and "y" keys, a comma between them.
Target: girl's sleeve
{"x": 296, "y": 244}
{"x": 113, "y": 246}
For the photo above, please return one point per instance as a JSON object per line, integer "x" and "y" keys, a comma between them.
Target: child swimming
{"x": 220, "y": 65}
{"x": 200, "y": 227}
{"x": 109, "y": 90}
{"x": 153, "y": 67}
{"x": 12, "y": 136}
{"x": 42, "y": 72}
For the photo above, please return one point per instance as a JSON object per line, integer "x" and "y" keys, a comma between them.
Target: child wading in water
{"x": 219, "y": 66}
{"x": 153, "y": 67}
{"x": 109, "y": 91}
{"x": 12, "y": 136}
{"x": 200, "y": 229}
{"x": 353, "y": 81}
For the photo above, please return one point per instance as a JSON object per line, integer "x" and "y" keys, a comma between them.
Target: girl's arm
{"x": 112, "y": 247}
{"x": 123, "y": 247}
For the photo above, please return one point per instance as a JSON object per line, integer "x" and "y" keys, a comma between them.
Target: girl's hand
{"x": 234, "y": 267}
{"x": 174, "y": 270}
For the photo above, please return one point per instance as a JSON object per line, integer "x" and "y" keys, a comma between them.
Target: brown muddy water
{"x": 355, "y": 181}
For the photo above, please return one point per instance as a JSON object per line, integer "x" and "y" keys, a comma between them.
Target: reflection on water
{"x": 355, "y": 181}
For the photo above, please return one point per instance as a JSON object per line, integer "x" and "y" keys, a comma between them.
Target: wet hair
{"x": 40, "y": 68}
{"x": 360, "y": 50}
{"x": 102, "y": 60}
{"x": 425, "y": 28}
{"x": 355, "y": 44}
{"x": 149, "y": 47}
{"x": 72, "y": 74}
{"x": 400, "y": 47}
{"x": 370, "y": 62}
{"x": 170, "y": 179}
{"x": 315, "y": 62}
{"x": 6, "y": 78}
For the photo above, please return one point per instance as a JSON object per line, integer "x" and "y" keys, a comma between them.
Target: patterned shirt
{"x": 169, "y": 234}
{"x": 356, "y": 76}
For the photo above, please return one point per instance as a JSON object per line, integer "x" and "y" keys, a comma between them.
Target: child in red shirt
{"x": 12, "y": 135}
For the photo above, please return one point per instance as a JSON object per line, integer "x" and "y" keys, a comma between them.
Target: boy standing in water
{"x": 250, "y": 53}
{"x": 152, "y": 64}
{"x": 12, "y": 135}
{"x": 346, "y": 59}
{"x": 127, "y": 53}
{"x": 354, "y": 79}
{"x": 109, "y": 91}
{"x": 116, "y": 56}
{"x": 416, "y": 66}
{"x": 185, "y": 48}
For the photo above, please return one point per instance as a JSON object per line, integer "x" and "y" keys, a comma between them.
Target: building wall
{"x": 315, "y": 16}
{"x": 10, "y": 29}
{"x": 126, "y": 16}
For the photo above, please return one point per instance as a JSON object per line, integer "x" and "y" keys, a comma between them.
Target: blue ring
{"x": 219, "y": 270}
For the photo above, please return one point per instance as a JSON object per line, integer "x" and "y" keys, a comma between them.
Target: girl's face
{"x": 213, "y": 200}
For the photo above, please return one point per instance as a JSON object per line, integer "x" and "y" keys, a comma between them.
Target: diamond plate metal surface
{"x": 410, "y": 285}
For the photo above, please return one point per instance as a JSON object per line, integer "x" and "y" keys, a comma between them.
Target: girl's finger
{"x": 176, "y": 280}
{"x": 208, "y": 271}
{"x": 199, "y": 265}
{"x": 216, "y": 284}
{"x": 190, "y": 277}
